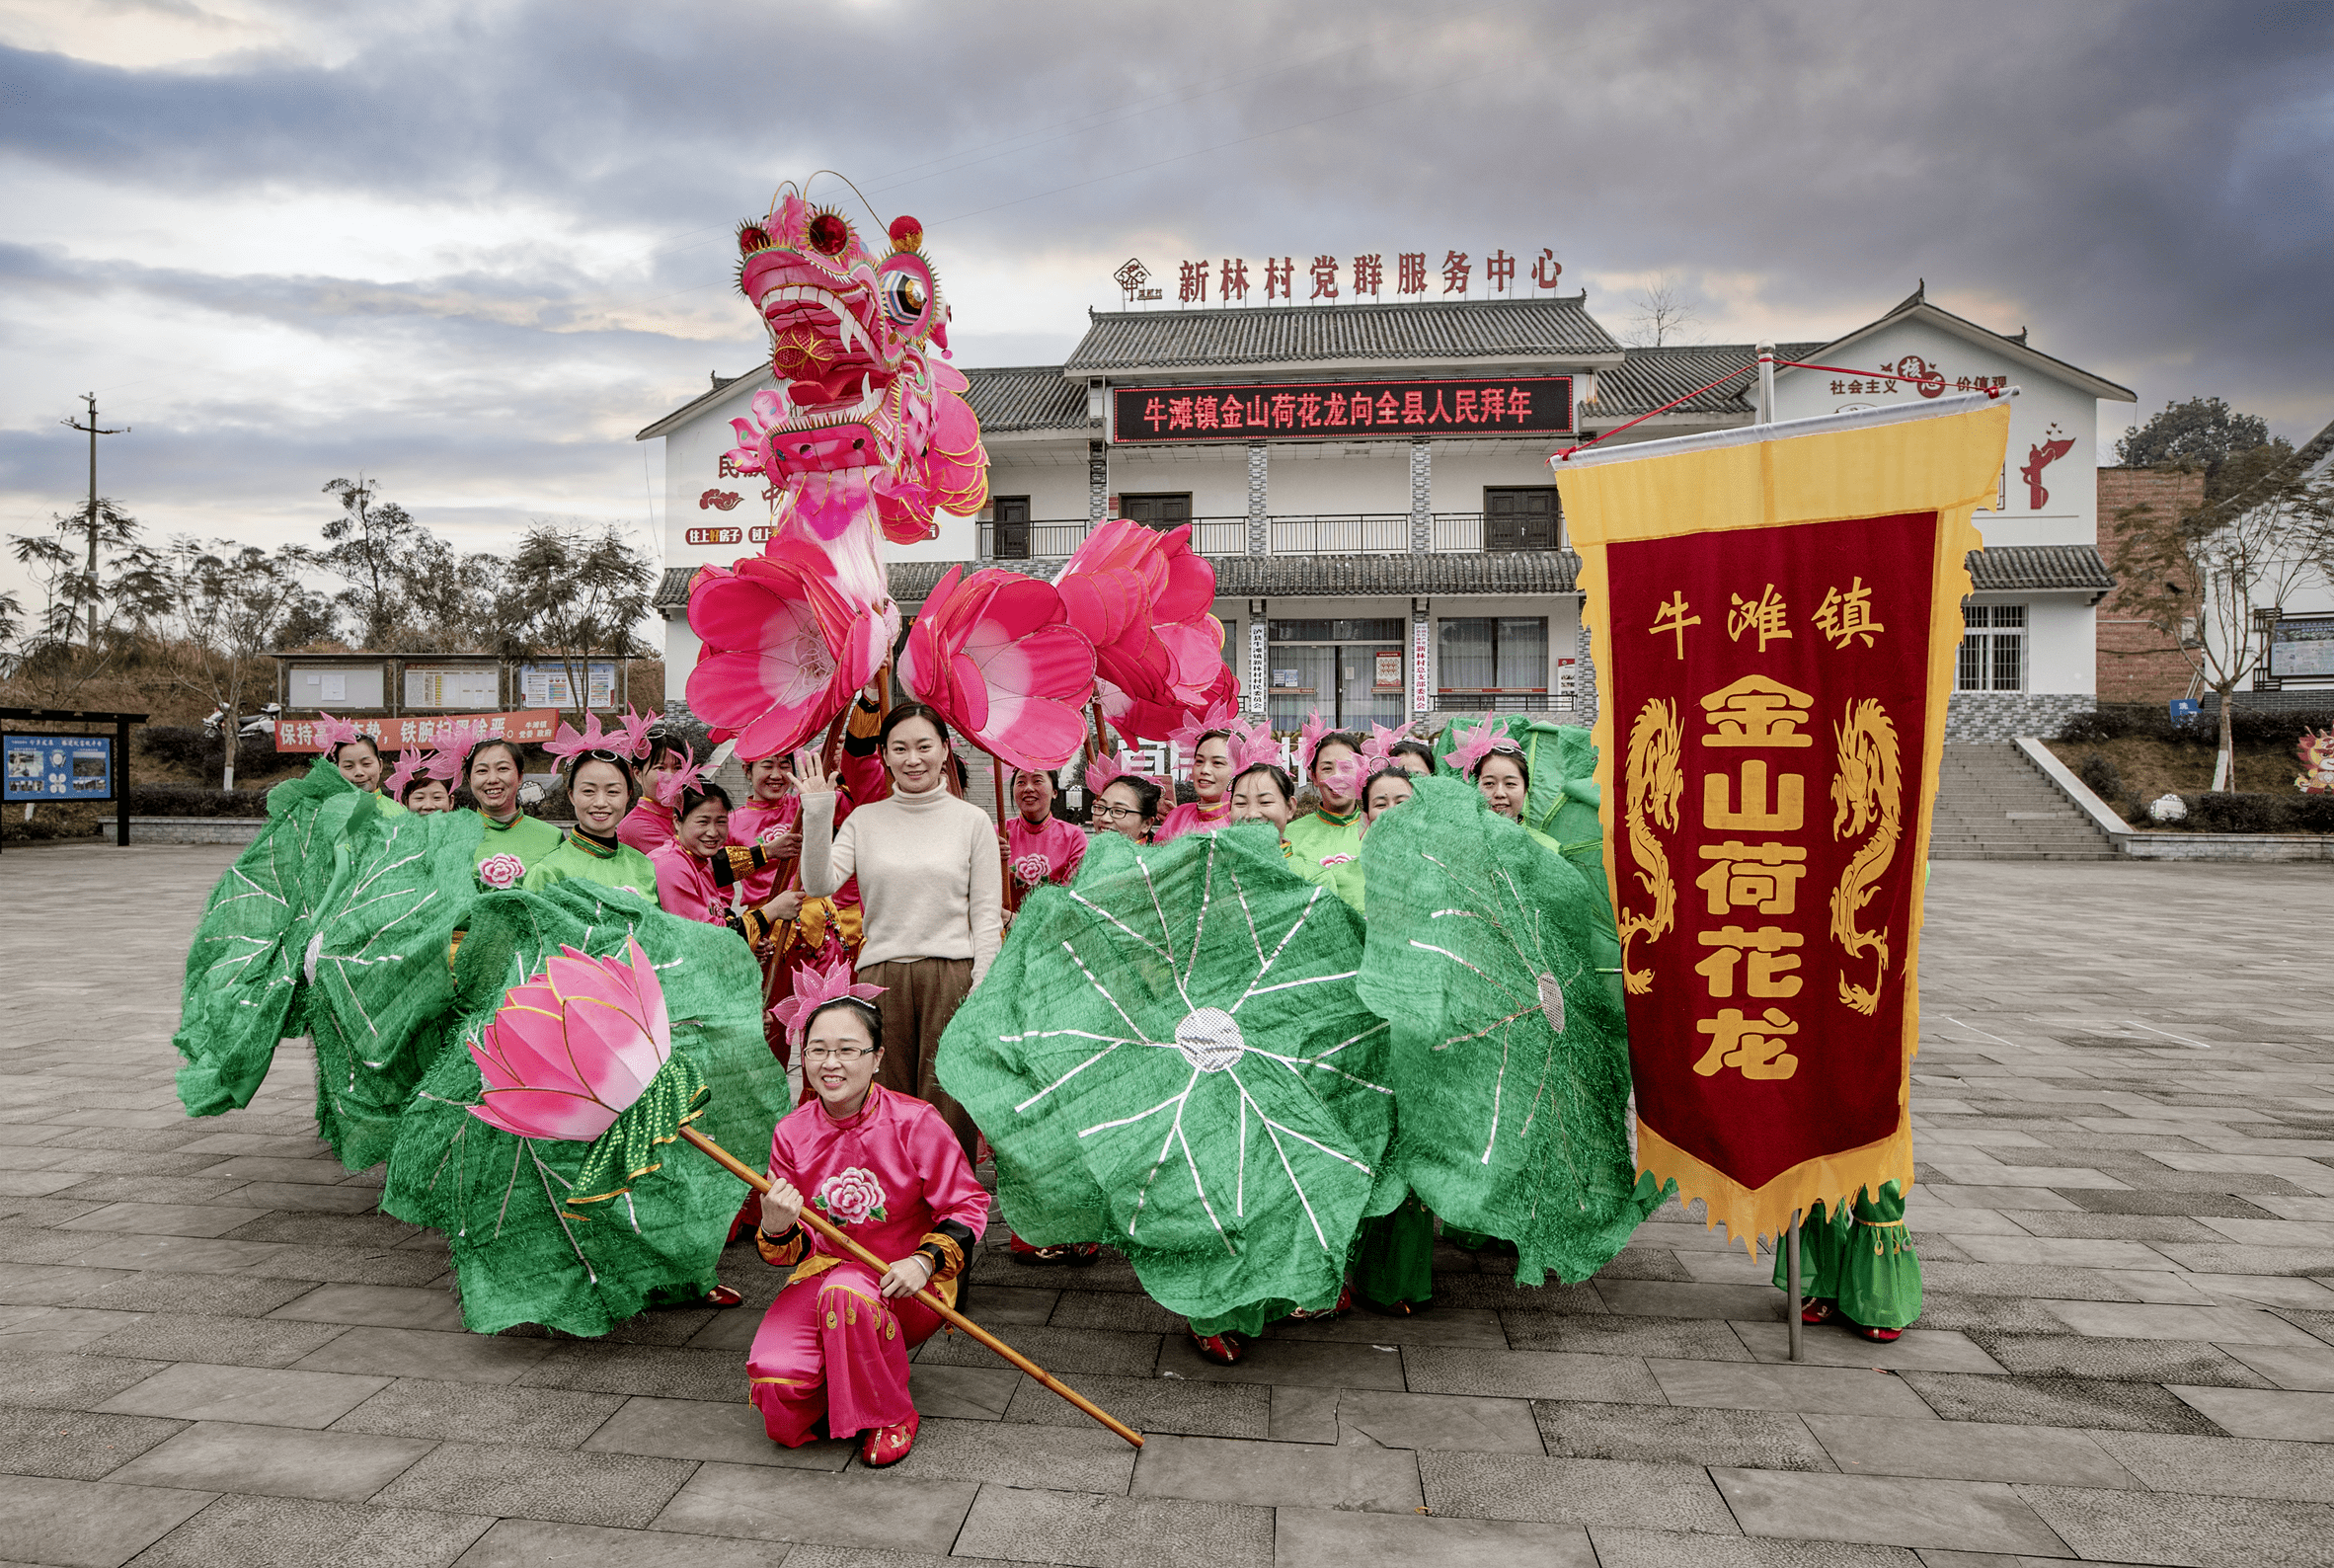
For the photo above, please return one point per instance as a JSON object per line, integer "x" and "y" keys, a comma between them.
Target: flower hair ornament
{"x": 1253, "y": 746}
{"x": 448, "y": 750}
{"x": 409, "y": 766}
{"x": 1377, "y": 751}
{"x": 1479, "y": 743}
{"x": 1104, "y": 771}
{"x": 635, "y": 730}
{"x": 1221, "y": 714}
{"x": 814, "y": 988}
{"x": 571, "y": 742}
{"x": 668, "y": 788}
{"x": 332, "y": 734}
{"x": 1308, "y": 741}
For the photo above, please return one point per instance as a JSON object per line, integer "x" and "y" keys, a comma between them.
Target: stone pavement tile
{"x": 1061, "y": 1351}
{"x": 276, "y": 1462}
{"x": 2234, "y": 1259}
{"x": 2197, "y": 1204}
{"x": 732, "y": 1431}
{"x": 1964, "y": 1171}
{"x": 74, "y": 1446}
{"x": 2159, "y": 1360}
{"x": 36, "y": 1182}
{"x": 2039, "y": 1281}
{"x": 2296, "y": 1208}
{"x": 733, "y": 1330}
{"x": 2006, "y": 1314}
{"x": 1438, "y": 1421}
{"x": 1318, "y": 1364}
{"x": 1149, "y": 1406}
{"x": 1647, "y": 1263}
{"x": 288, "y": 1147}
{"x": 44, "y": 1330}
{"x": 2167, "y": 1286}
{"x": 198, "y": 1391}
{"x": 2261, "y": 1289}
{"x": 1733, "y": 1267}
{"x": 2272, "y": 1232}
{"x": 1094, "y": 1532}
{"x": 1498, "y": 1293}
{"x": 2289, "y": 1367}
{"x": 818, "y": 1557}
{"x": 2209, "y": 1531}
{"x": 856, "y": 1509}
{"x": 49, "y": 1380}
{"x": 1769, "y": 1439}
{"x": 383, "y": 1305}
{"x": 1111, "y": 1309}
{"x": 175, "y": 1190}
{"x": 222, "y": 1295}
{"x": 217, "y": 1341}
{"x": 183, "y": 1255}
{"x": 2319, "y": 1325}
{"x": 1663, "y": 1298}
{"x": 2222, "y": 1466}
{"x": 1528, "y": 1374}
{"x": 417, "y": 1407}
{"x": 1683, "y": 1235}
{"x": 1835, "y": 1390}
{"x": 322, "y": 1171}
{"x": 2085, "y": 1226}
{"x": 311, "y": 1229}
{"x": 1469, "y": 1328}
{"x": 298, "y": 1532}
{"x": 1270, "y": 1474}
{"x": 2258, "y": 1413}
{"x": 170, "y": 1220}
{"x": 1653, "y": 1548}
{"x": 2056, "y": 1403}
{"x": 620, "y": 1490}
{"x": 540, "y": 1543}
{"x": 1946, "y": 1220}
{"x": 18, "y": 1134}
{"x": 969, "y": 1393}
{"x": 425, "y": 1352}
{"x": 1935, "y": 1557}
{"x": 1062, "y": 1459}
{"x": 310, "y": 1196}
{"x": 1575, "y": 1491}
{"x": 1827, "y": 1345}
{"x": 2020, "y": 1198}
{"x": 1887, "y": 1511}
{"x": 89, "y": 1523}
{"x": 1613, "y": 1334}
{"x": 602, "y": 1368}
{"x": 1306, "y": 1415}
{"x": 1967, "y": 1451}
{"x": 2228, "y": 1325}
{"x": 1322, "y": 1537}
{"x": 1005, "y": 1303}
{"x": 46, "y": 1285}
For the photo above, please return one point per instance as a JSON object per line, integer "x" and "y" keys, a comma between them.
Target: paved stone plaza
{"x": 214, "y": 1351}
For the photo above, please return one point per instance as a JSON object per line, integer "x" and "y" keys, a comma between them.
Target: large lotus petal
{"x": 572, "y": 1048}
{"x": 992, "y": 653}
{"x": 544, "y": 1113}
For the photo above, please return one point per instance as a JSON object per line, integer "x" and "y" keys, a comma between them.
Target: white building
{"x": 1412, "y": 561}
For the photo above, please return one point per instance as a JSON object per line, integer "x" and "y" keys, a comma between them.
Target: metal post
{"x": 1791, "y": 1273}
{"x": 1766, "y": 383}
{"x": 121, "y": 782}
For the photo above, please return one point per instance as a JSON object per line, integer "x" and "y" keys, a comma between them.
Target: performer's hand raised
{"x": 906, "y": 1277}
{"x": 810, "y": 775}
{"x": 786, "y": 906}
{"x": 781, "y": 1206}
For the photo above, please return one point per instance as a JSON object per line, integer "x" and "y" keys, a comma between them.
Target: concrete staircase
{"x": 1992, "y": 804}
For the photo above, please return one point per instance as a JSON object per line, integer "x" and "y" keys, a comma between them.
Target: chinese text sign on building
{"x": 528, "y": 727}
{"x": 1776, "y": 622}
{"x": 59, "y": 767}
{"x": 1344, "y": 410}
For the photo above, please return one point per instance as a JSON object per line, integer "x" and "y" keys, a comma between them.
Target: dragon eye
{"x": 905, "y": 284}
{"x": 829, "y": 234}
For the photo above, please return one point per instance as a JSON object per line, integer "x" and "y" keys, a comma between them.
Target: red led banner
{"x": 1344, "y": 410}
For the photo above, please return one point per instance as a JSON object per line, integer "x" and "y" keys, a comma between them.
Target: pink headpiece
{"x": 668, "y": 787}
{"x": 409, "y": 768}
{"x": 1252, "y": 744}
{"x": 1221, "y": 714}
{"x": 1105, "y": 770}
{"x": 1487, "y": 736}
{"x": 814, "y": 988}
{"x": 453, "y": 745}
{"x": 1377, "y": 749}
{"x": 635, "y": 730}
{"x": 331, "y": 731}
{"x": 571, "y": 742}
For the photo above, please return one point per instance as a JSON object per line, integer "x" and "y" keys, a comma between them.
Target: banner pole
{"x": 1766, "y": 383}
{"x": 1791, "y": 1268}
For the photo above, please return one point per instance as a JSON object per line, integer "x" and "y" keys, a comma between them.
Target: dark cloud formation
{"x": 2148, "y": 186}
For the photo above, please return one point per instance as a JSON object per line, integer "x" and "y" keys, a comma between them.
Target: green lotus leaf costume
{"x": 1511, "y": 1066}
{"x": 1169, "y": 1056}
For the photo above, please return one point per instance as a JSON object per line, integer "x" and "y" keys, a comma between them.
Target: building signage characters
{"x": 1365, "y": 278}
{"x": 528, "y": 727}
{"x": 1344, "y": 410}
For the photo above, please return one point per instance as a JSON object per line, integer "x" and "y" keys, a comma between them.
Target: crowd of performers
{"x": 873, "y": 898}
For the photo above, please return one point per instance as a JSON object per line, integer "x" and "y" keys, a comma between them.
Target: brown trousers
{"x": 920, "y": 995}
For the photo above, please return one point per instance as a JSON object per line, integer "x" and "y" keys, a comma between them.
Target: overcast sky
{"x": 470, "y": 248}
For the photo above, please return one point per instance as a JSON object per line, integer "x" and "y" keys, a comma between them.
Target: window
{"x": 1520, "y": 518}
{"x": 1494, "y": 654}
{"x": 1352, "y": 671}
{"x": 1993, "y": 648}
{"x": 1012, "y": 528}
{"x": 1160, "y": 510}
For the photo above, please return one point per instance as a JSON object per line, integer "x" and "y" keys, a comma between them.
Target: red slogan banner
{"x": 528, "y": 727}
{"x": 1344, "y": 410}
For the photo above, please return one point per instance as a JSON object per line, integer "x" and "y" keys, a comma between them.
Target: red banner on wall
{"x": 1775, "y": 616}
{"x": 528, "y": 726}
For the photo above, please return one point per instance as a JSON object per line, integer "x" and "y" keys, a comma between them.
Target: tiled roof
{"x": 1651, "y": 377}
{"x": 672, "y": 589}
{"x": 1487, "y": 329}
{"x": 1028, "y": 398}
{"x": 2006, "y": 568}
{"x": 1321, "y": 576}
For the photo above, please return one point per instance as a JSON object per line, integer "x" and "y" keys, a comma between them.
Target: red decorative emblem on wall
{"x": 721, "y": 499}
{"x": 2040, "y": 456}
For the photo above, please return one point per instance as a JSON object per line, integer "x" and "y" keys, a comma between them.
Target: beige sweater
{"x": 927, "y": 870}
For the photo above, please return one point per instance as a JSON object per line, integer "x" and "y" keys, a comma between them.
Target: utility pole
{"x": 90, "y": 398}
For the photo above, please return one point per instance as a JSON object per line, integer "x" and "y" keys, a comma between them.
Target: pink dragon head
{"x": 867, "y": 423}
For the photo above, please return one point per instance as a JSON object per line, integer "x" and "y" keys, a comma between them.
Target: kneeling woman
{"x": 885, "y": 1167}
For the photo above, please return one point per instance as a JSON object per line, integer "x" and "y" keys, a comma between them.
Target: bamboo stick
{"x": 997, "y": 769}
{"x": 761, "y": 1184}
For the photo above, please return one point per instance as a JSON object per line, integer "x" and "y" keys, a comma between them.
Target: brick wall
{"x": 2138, "y": 663}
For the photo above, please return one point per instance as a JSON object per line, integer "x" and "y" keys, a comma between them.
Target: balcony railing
{"x": 1356, "y": 534}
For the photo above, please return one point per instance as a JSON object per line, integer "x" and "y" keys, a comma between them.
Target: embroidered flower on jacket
{"x": 1337, "y": 860}
{"x": 501, "y": 871}
{"x": 850, "y": 1196}
{"x": 1032, "y": 869}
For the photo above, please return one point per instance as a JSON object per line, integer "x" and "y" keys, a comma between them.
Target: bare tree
{"x": 1664, "y": 313}
{"x": 74, "y": 591}
{"x": 2207, "y": 578}
{"x": 228, "y": 602}
{"x": 573, "y": 592}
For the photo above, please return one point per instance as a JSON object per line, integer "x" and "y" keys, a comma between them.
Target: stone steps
{"x": 1992, "y": 804}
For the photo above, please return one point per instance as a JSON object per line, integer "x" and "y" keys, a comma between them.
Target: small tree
{"x": 572, "y": 592}
{"x": 453, "y": 601}
{"x": 2205, "y": 577}
{"x": 2203, "y": 433}
{"x": 229, "y": 603}
{"x": 1662, "y": 314}
{"x": 367, "y": 545}
{"x": 73, "y": 587}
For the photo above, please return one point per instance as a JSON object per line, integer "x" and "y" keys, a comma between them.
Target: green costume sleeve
{"x": 519, "y": 1255}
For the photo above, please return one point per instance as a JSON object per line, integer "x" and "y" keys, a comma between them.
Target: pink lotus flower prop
{"x": 784, "y": 648}
{"x": 994, "y": 655}
{"x": 814, "y": 988}
{"x": 573, "y": 1048}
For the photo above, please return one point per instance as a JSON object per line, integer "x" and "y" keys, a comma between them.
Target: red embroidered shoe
{"x": 724, "y": 1296}
{"x": 1345, "y": 1304}
{"x": 1880, "y": 1336}
{"x": 1816, "y": 1312}
{"x": 1221, "y": 1349}
{"x": 888, "y": 1445}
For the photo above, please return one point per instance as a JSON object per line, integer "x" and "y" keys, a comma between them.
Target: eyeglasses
{"x": 1118, "y": 812}
{"x": 842, "y": 1054}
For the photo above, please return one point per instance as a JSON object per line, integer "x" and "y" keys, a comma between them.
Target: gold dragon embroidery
{"x": 1655, "y": 783}
{"x": 1866, "y": 792}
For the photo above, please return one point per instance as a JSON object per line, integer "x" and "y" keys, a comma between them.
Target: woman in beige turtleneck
{"x": 927, "y": 868}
